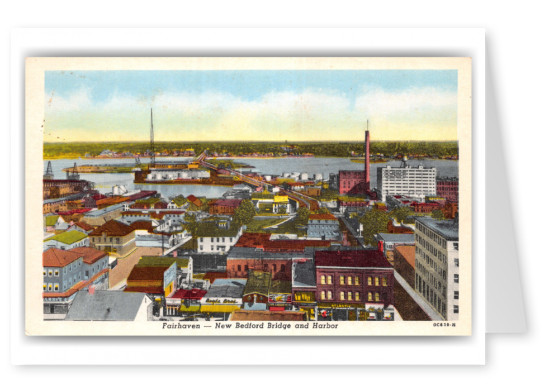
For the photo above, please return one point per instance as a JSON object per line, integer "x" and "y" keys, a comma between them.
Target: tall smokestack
{"x": 367, "y": 180}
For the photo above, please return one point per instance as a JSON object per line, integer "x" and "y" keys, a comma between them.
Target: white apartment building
{"x": 407, "y": 181}
{"x": 437, "y": 265}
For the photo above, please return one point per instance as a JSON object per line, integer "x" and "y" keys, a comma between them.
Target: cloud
{"x": 429, "y": 113}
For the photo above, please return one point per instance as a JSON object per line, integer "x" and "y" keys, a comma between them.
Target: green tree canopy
{"x": 374, "y": 221}
{"x": 244, "y": 213}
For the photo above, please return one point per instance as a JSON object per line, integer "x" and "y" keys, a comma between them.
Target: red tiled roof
{"x": 142, "y": 225}
{"x": 211, "y": 276}
{"x": 54, "y": 257}
{"x": 84, "y": 226}
{"x": 112, "y": 228}
{"x": 351, "y": 258}
{"x": 250, "y": 239}
{"x": 325, "y": 216}
{"x": 227, "y": 202}
{"x": 89, "y": 255}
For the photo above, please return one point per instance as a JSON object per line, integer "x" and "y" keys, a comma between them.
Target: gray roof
{"x": 105, "y": 305}
{"x": 234, "y": 290}
{"x": 398, "y": 238}
{"x": 250, "y": 252}
{"x": 304, "y": 275}
{"x": 99, "y": 212}
{"x": 449, "y": 229}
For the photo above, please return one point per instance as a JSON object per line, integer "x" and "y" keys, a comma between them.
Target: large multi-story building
{"x": 437, "y": 265}
{"x": 353, "y": 279}
{"x": 409, "y": 181}
{"x": 115, "y": 238}
{"x": 448, "y": 188}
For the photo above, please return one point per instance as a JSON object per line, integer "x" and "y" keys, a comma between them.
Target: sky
{"x": 303, "y": 105}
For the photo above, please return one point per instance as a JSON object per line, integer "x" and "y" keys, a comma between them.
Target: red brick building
{"x": 404, "y": 263}
{"x": 353, "y": 278}
{"x": 224, "y": 207}
{"x": 352, "y": 182}
{"x": 448, "y": 188}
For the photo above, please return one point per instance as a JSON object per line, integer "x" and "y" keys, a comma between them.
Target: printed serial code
{"x": 443, "y": 324}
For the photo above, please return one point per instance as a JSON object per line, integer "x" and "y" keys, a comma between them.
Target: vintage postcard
{"x": 248, "y": 196}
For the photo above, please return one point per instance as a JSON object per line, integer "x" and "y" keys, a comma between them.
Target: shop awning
{"x": 219, "y": 308}
{"x": 191, "y": 308}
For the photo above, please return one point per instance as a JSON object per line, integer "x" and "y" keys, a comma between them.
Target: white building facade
{"x": 437, "y": 265}
{"x": 408, "y": 181}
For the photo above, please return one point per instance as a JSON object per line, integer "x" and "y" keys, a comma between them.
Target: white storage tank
{"x": 304, "y": 176}
{"x": 318, "y": 177}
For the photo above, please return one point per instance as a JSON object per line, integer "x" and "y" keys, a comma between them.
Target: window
{"x": 56, "y": 287}
{"x": 369, "y": 296}
{"x": 456, "y": 262}
{"x": 455, "y": 309}
{"x": 330, "y": 279}
{"x": 342, "y": 295}
{"x": 341, "y": 280}
{"x": 369, "y": 281}
{"x": 456, "y": 295}
{"x": 323, "y": 295}
{"x": 356, "y": 280}
{"x": 456, "y": 278}
{"x": 349, "y": 280}
{"x": 377, "y": 298}
{"x": 49, "y": 272}
{"x": 357, "y": 296}
{"x": 350, "y": 296}
{"x": 456, "y": 246}
{"x": 376, "y": 281}
{"x": 201, "y": 248}
{"x": 44, "y": 286}
{"x": 329, "y": 295}
{"x": 56, "y": 273}
{"x": 49, "y": 287}
{"x": 322, "y": 281}
{"x": 384, "y": 281}
{"x": 44, "y": 273}
{"x": 238, "y": 268}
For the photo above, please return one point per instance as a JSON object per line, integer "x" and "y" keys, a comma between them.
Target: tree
{"x": 374, "y": 221}
{"x": 402, "y": 214}
{"x": 323, "y": 211}
{"x": 192, "y": 223}
{"x": 302, "y": 216}
{"x": 437, "y": 214}
{"x": 244, "y": 213}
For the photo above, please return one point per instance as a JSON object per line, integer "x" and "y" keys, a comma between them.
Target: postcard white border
{"x": 394, "y": 39}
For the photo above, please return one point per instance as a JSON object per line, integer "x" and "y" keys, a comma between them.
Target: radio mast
{"x": 152, "y": 146}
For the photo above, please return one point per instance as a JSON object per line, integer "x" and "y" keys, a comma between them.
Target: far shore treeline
{"x": 437, "y": 149}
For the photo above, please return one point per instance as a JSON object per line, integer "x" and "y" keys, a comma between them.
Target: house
{"x": 224, "y": 206}
{"x": 67, "y": 272}
{"x": 81, "y": 226}
{"x": 114, "y": 237}
{"x": 184, "y": 266}
{"x": 323, "y": 226}
{"x": 50, "y": 222}
{"x": 217, "y": 236}
{"x": 101, "y": 305}
{"x": 195, "y": 203}
{"x": 101, "y": 216}
{"x": 67, "y": 240}
{"x": 155, "y": 279}
{"x": 179, "y": 202}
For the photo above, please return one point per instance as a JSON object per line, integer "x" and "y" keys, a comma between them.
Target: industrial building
{"x": 406, "y": 181}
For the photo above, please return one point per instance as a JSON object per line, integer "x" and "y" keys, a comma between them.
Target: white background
{"x": 518, "y": 55}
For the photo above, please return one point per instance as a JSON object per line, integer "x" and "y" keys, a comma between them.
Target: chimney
{"x": 367, "y": 179}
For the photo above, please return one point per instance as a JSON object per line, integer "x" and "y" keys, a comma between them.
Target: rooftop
{"x": 234, "y": 290}
{"x": 397, "y": 238}
{"x": 211, "y": 229}
{"x": 101, "y": 212}
{"x": 154, "y": 261}
{"x": 68, "y": 237}
{"x": 258, "y": 282}
{"x": 89, "y": 255}
{"x": 112, "y": 228}
{"x": 408, "y": 253}
{"x": 280, "y": 286}
{"x": 325, "y": 216}
{"x": 304, "y": 274}
{"x": 449, "y": 229}
{"x": 105, "y": 305}
{"x": 351, "y": 258}
{"x": 258, "y": 253}
{"x": 54, "y": 257}
{"x": 147, "y": 273}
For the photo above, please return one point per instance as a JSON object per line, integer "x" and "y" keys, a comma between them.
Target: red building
{"x": 224, "y": 207}
{"x": 425, "y": 207}
{"x": 404, "y": 263}
{"x": 353, "y": 278}
{"x": 448, "y": 188}
{"x": 351, "y": 182}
